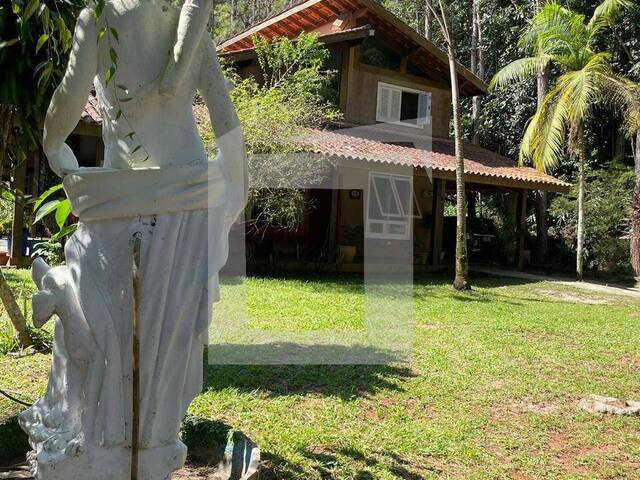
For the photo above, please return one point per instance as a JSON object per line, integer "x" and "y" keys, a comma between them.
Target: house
{"x": 394, "y": 92}
{"x": 394, "y": 163}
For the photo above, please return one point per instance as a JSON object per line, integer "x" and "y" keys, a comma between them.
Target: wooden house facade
{"x": 394, "y": 92}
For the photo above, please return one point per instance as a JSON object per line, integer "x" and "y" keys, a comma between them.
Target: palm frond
{"x": 606, "y": 14}
{"x": 555, "y": 30}
{"x": 544, "y": 138}
{"x": 519, "y": 70}
{"x": 584, "y": 87}
{"x": 623, "y": 95}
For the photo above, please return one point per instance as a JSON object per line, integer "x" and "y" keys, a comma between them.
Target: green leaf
{"x": 119, "y": 114}
{"x": 40, "y": 66}
{"x": 125, "y": 100}
{"x": 32, "y": 6}
{"x": 64, "y": 232}
{"x": 99, "y": 8}
{"x": 101, "y": 33}
{"x": 114, "y": 32}
{"x": 114, "y": 56}
{"x": 110, "y": 73}
{"x": 8, "y": 43}
{"x": 45, "y": 75}
{"x": 63, "y": 210}
{"x": 45, "y": 210}
{"x": 41, "y": 41}
{"x": 46, "y": 195}
{"x": 123, "y": 88}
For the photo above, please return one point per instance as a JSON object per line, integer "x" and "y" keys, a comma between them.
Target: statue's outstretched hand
{"x": 63, "y": 161}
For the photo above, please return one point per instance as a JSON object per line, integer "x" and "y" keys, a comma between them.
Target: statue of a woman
{"x": 158, "y": 186}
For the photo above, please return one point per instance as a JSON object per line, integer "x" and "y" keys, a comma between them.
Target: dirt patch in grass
{"x": 192, "y": 472}
{"x": 629, "y": 362}
{"x": 520, "y": 476}
{"x": 521, "y": 407}
{"x": 541, "y": 408}
{"x": 577, "y": 459}
{"x": 573, "y": 297}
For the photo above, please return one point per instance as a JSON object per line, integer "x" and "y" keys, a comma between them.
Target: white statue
{"x": 157, "y": 185}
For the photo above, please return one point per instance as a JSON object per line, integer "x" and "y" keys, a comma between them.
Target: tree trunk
{"x": 6, "y": 124}
{"x": 17, "y": 227}
{"x": 15, "y": 315}
{"x": 6, "y": 295}
{"x": 542, "y": 229}
{"x": 542, "y": 244}
{"x": 477, "y": 67}
{"x": 581, "y": 193}
{"x": 635, "y": 214}
{"x": 428, "y": 31}
{"x": 461, "y": 281}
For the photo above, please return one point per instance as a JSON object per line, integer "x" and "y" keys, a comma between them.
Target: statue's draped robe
{"x": 179, "y": 214}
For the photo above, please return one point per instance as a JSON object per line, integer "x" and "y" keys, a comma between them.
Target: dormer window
{"x": 403, "y": 106}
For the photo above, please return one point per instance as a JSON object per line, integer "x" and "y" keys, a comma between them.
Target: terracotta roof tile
{"x": 91, "y": 113}
{"x": 441, "y": 158}
{"x": 478, "y": 161}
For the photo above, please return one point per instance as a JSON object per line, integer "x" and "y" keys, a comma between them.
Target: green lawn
{"x": 491, "y": 393}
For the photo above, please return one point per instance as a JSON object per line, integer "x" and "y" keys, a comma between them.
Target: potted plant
{"x": 351, "y": 237}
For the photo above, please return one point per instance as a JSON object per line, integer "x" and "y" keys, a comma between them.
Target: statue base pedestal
{"x": 98, "y": 463}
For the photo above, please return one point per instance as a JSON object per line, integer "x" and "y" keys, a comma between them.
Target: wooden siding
{"x": 359, "y": 102}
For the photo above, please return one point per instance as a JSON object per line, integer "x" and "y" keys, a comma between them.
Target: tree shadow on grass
{"x": 327, "y": 460}
{"x": 335, "y": 379}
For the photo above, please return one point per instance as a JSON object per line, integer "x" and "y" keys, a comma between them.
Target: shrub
{"x": 607, "y": 219}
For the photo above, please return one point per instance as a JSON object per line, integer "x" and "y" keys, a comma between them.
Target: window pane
{"x": 397, "y": 229}
{"x": 376, "y": 228}
{"x": 416, "y": 206}
{"x": 403, "y": 187}
{"x": 409, "y": 112}
{"x": 374, "y": 212}
{"x": 424, "y": 109}
{"x": 386, "y": 197}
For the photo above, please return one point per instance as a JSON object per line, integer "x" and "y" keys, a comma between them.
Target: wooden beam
{"x": 333, "y": 218}
{"x": 437, "y": 220}
{"x": 521, "y": 228}
{"x": 355, "y": 35}
{"x": 348, "y": 77}
{"x": 17, "y": 228}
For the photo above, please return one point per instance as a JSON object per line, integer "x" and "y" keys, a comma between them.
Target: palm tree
{"x": 562, "y": 38}
{"x": 461, "y": 281}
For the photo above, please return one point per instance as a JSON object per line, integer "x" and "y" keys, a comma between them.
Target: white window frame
{"x": 403, "y": 219}
{"x": 395, "y": 119}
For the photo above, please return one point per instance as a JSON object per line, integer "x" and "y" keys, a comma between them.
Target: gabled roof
{"x": 309, "y": 15}
{"x": 481, "y": 166}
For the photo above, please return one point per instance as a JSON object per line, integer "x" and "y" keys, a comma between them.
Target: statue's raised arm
{"x": 192, "y": 25}
{"x": 226, "y": 127}
{"x": 71, "y": 96}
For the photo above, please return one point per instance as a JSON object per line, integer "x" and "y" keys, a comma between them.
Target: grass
{"x": 491, "y": 393}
